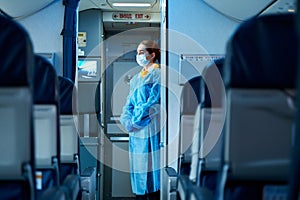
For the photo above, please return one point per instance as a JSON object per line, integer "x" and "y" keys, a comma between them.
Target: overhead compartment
{"x": 23, "y": 8}
{"x": 241, "y": 10}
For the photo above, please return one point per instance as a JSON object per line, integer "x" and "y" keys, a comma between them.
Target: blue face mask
{"x": 141, "y": 60}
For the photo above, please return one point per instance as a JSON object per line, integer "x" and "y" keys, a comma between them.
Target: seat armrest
{"x": 198, "y": 193}
{"x": 72, "y": 183}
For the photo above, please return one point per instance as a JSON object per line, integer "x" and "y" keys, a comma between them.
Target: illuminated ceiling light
{"x": 131, "y": 4}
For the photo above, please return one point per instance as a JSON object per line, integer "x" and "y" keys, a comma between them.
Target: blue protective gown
{"x": 141, "y": 118}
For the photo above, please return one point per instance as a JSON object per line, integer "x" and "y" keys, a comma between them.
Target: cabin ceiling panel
{"x": 87, "y": 4}
{"x": 107, "y": 5}
{"x": 23, "y": 8}
{"x": 239, "y": 9}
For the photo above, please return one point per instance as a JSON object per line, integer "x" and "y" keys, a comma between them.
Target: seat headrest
{"x": 262, "y": 53}
{"x": 16, "y": 54}
{"x": 67, "y": 96}
{"x": 212, "y": 77}
{"x": 45, "y": 82}
{"x": 190, "y": 96}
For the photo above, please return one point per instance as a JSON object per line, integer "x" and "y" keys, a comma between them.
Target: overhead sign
{"x": 131, "y": 16}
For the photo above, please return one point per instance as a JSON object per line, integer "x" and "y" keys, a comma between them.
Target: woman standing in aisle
{"x": 141, "y": 118}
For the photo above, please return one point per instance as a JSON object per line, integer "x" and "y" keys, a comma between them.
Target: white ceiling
{"x": 236, "y": 9}
{"x": 24, "y": 8}
{"x": 21, "y": 8}
{"x": 106, "y": 5}
{"x": 243, "y": 9}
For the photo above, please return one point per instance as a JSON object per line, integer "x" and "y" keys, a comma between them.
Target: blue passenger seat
{"x": 260, "y": 78}
{"x": 190, "y": 99}
{"x": 294, "y": 181}
{"x": 68, "y": 127}
{"x": 211, "y": 120}
{"x": 207, "y": 127}
{"x": 46, "y": 120}
{"x": 17, "y": 164}
{"x": 69, "y": 156}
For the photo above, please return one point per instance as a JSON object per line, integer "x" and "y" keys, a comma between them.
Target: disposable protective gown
{"x": 141, "y": 118}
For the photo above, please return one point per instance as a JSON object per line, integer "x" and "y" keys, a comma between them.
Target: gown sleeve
{"x": 127, "y": 112}
{"x": 143, "y": 112}
{"x": 136, "y": 113}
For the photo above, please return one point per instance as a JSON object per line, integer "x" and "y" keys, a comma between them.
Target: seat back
{"x": 260, "y": 111}
{"x": 69, "y": 155}
{"x": 45, "y": 138}
{"x": 68, "y": 121}
{"x": 46, "y": 118}
{"x": 190, "y": 98}
{"x": 259, "y": 134}
{"x": 212, "y": 115}
{"x": 209, "y": 121}
{"x": 295, "y": 161}
{"x": 205, "y": 128}
{"x": 69, "y": 139}
{"x": 17, "y": 139}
